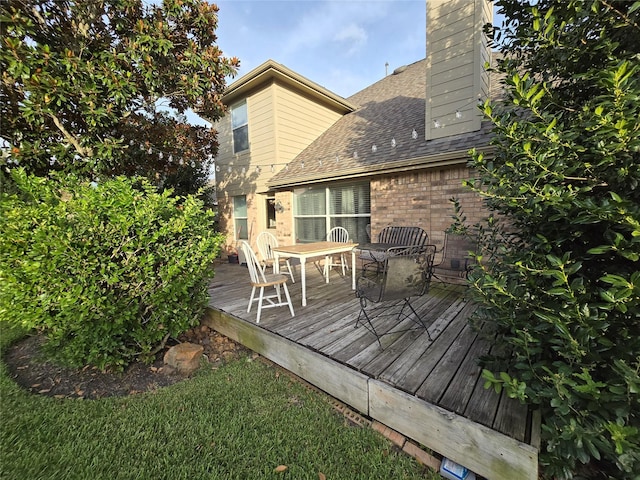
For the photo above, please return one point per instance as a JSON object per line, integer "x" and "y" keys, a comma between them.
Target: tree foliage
{"x": 559, "y": 274}
{"x": 85, "y": 84}
{"x": 107, "y": 272}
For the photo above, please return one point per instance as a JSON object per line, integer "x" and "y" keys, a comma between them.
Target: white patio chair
{"x": 266, "y": 243}
{"x": 336, "y": 234}
{"x": 262, "y": 280}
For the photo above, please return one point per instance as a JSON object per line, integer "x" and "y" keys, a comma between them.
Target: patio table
{"x": 303, "y": 251}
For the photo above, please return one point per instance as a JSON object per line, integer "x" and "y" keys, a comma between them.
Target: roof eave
{"x": 420, "y": 163}
{"x": 270, "y": 71}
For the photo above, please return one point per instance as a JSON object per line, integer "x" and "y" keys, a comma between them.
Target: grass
{"x": 240, "y": 421}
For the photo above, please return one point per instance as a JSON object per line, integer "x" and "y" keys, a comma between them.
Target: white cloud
{"x": 338, "y": 20}
{"x": 353, "y": 37}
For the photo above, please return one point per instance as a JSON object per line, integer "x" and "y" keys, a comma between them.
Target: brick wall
{"x": 284, "y": 220}
{"x": 422, "y": 199}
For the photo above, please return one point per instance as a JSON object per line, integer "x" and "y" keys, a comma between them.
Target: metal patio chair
{"x": 266, "y": 243}
{"x": 393, "y": 236}
{"x": 261, "y": 280}
{"x": 455, "y": 260}
{"x": 403, "y": 273}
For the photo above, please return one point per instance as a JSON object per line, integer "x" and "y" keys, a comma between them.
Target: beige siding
{"x": 456, "y": 78}
{"x": 262, "y": 136}
{"x": 300, "y": 120}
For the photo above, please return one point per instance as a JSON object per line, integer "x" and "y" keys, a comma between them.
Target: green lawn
{"x": 240, "y": 421}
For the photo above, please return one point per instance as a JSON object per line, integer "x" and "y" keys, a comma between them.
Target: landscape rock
{"x": 183, "y": 358}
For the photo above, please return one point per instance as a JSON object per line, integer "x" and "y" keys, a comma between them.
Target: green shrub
{"x": 560, "y": 273}
{"x": 107, "y": 272}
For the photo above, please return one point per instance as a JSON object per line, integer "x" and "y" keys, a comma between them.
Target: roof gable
{"x": 271, "y": 71}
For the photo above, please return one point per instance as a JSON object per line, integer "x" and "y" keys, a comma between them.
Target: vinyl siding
{"x": 263, "y": 138}
{"x": 300, "y": 120}
{"x": 455, "y": 57}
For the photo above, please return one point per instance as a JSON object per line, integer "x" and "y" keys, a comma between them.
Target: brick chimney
{"x": 457, "y": 50}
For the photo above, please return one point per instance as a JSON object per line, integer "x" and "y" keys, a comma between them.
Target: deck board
{"x": 441, "y": 376}
{"x": 458, "y": 395}
{"x": 442, "y": 372}
{"x": 414, "y": 375}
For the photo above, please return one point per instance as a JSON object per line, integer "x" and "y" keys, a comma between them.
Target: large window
{"x": 318, "y": 209}
{"x": 240, "y": 217}
{"x": 240, "y": 125}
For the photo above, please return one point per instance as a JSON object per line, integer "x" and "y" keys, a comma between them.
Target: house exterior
{"x": 394, "y": 153}
{"x": 274, "y": 114}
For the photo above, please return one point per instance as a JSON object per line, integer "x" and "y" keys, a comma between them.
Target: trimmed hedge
{"x": 107, "y": 272}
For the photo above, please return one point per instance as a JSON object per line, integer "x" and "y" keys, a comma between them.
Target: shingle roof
{"x": 390, "y": 109}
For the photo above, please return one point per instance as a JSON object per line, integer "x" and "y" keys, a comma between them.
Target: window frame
{"x": 243, "y": 125}
{"x": 326, "y": 217}
{"x": 237, "y": 217}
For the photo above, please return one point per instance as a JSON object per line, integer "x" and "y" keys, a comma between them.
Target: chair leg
{"x": 416, "y": 316}
{"x": 366, "y": 322}
{"x": 260, "y": 304}
{"x": 326, "y": 269}
{"x": 293, "y": 280}
{"x": 286, "y": 293}
{"x": 253, "y": 292}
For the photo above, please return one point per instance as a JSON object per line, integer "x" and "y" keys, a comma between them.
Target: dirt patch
{"x": 27, "y": 367}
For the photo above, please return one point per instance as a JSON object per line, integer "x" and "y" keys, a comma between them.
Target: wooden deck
{"x": 428, "y": 389}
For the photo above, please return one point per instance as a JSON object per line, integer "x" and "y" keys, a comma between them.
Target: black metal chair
{"x": 403, "y": 273}
{"x": 391, "y": 236}
{"x": 456, "y": 260}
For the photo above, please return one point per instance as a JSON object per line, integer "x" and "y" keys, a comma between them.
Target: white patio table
{"x": 303, "y": 251}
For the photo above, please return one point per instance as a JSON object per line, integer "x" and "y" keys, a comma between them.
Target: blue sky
{"x": 342, "y": 45}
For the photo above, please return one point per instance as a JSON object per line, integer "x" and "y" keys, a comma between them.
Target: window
{"x": 240, "y": 217}
{"x": 271, "y": 212}
{"x": 318, "y": 209}
{"x": 240, "y": 126}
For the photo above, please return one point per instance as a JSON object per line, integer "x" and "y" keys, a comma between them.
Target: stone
{"x": 183, "y": 358}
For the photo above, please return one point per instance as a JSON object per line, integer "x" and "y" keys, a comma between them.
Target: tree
{"x": 559, "y": 270}
{"x": 83, "y": 80}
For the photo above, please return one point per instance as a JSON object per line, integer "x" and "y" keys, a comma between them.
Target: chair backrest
{"x": 266, "y": 243}
{"x": 338, "y": 234}
{"x": 404, "y": 273}
{"x": 255, "y": 272}
{"x": 408, "y": 274}
{"x": 395, "y": 235}
{"x": 456, "y": 252}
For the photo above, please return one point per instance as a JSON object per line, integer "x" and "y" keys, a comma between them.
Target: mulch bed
{"x": 31, "y": 371}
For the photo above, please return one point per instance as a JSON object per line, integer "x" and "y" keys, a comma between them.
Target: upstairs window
{"x": 240, "y": 126}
